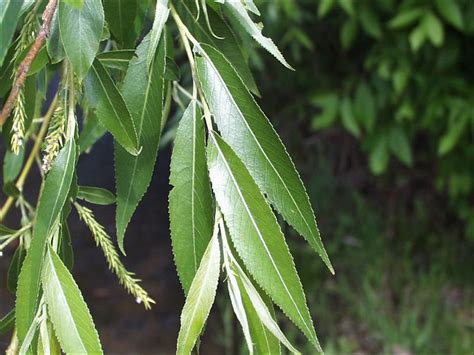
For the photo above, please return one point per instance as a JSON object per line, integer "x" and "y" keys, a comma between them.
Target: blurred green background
{"x": 379, "y": 117}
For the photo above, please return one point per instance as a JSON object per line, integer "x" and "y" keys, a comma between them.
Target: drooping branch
{"x": 25, "y": 65}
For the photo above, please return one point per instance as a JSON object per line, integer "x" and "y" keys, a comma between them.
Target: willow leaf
{"x": 96, "y": 195}
{"x": 161, "y": 15}
{"x": 200, "y": 298}
{"x": 71, "y": 319}
{"x": 264, "y": 341}
{"x": 238, "y": 11}
{"x": 118, "y": 59}
{"x": 143, "y": 92}
{"x": 190, "y": 201}
{"x": 120, "y": 16}
{"x": 110, "y": 107}
{"x": 248, "y": 131}
{"x": 9, "y": 14}
{"x": 55, "y": 192}
{"x": 226, "y": 42}
{"x": 81, "y": 29}
{"x": 256, "y": 234}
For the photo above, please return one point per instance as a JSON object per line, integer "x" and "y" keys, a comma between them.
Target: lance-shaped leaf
{"x": 256, "y": 234}
{"x": 238, "y": 12}
{"x": 55, "y": 192}
{"x": 161, "y": 15}
{"x": 119, "y": 59}
{"x": 190, "y": 201}
{"x": 248, "y": 131}
{"x": 226, "y": 41}
{"x": 110, "y": 107}
{"x": 143, "y": 92}
{"x": 120, "y": 16}
{"x": 71, "y": 319}
{"x": 200, "y": 298}
{"x": 80, "y": 29}
{"x": 9, "y": 13}
{"x": 96, "y": 195}
{"x": 263, "y": 329}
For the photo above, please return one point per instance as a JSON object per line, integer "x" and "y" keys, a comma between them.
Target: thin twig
{"x": 25, "y": 65}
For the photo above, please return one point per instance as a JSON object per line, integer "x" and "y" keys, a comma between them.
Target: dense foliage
{"x": 109, "y": 66}
{"x": 393, "y": 74}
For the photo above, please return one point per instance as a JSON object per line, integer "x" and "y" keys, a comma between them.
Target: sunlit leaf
{"x": 247, "y": 130}
{"x": 53, "y": 196}
{"x": 190, "y": 201}
{"x": 200, "y": 298}
{"x": 143, "y": 92}
{"x": 71, "y": 319}
{"x": 110, "y": 107}
{"x": 256, "y": 234}
{"x": 81, "y": 29}
{"x": 96, "y": 195}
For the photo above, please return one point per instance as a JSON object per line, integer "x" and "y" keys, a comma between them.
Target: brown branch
{"x": 25, "y": 65}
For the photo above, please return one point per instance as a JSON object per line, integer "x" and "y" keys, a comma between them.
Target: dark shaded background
{"x": 398, "y": 240}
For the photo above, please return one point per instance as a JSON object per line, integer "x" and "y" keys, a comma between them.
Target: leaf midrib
{"x": 260, "y": 147}
{"x": 110, "y": 102}
{"x": 258, "y": 232}
{"x": 61, "y": 297}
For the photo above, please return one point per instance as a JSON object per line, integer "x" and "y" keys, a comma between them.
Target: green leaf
{"x": 65, "y": 245}
{"x": 119, "y": 59}
{"x": 91, "y": 132}
{"x": 9, "y": 14}
{"x": 190, "y": 200}
{"x": 7, "y": 322}
{"x": 449, "y": 140}
{"x": 347, "y": 117}
{"x": 405, "y": 18}
{"x": 328, "y": 103}
{"x": 400, "y": 146}
{"x": 4, "y": 231}
{"x": 417, "y": 37}
{"x": 237, "y": 10}
{"x": 54, "y": 44}
{"x": 172, "y": 71}
{"x": 96, "y": 195}
{"x": 325, "y": 6}
{"x": 12, "y": 164}
{"x": 254, "y": 310}
{"x": 53, "y": 196}
{"x": 200, "y": 298}
{"x": 110, "y": 107}
{"x": 370, "y": 22}
{"x": 364, "y": 106}
{"x": 81, "y": 29}
{"x": 161, "y": 15}
{"x": 379, "y": 156}
{"x": 15, "y": 267}
{"x": 120, "y": 15}
{"x": 433, "y": 29}
{"x": 348, "y": 33}
{"x": 247, "y": 130}
{"x": 69, "y": 314}
{"x": 143, "y": 91}
{"x": 226, "y": 42}
{"x": 76, "y": 3}
{"x": 256, "y": 234}
{"x": 451, "y": 12}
